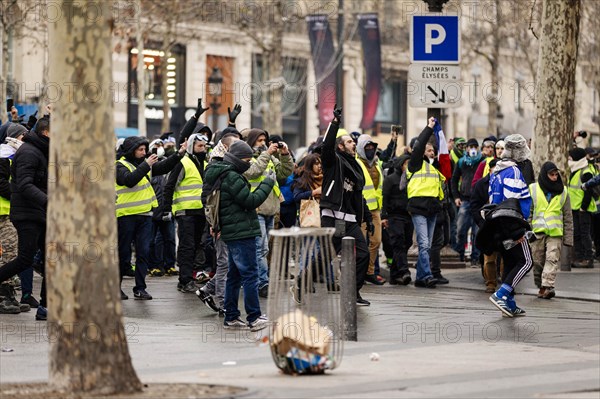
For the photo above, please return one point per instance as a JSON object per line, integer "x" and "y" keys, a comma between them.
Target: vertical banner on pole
{"x": 323, "y": 56}
{"x": 368, "y": 27}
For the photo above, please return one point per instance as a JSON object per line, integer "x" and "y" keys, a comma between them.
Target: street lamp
{"x": 215, "y": 87}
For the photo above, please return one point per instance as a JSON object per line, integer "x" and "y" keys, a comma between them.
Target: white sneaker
{"x": 235, "y": 324}
{"x": 259, "y": 324}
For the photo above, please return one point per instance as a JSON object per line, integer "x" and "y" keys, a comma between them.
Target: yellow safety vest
{"x": 137, "y": 199}
{"x": 547, "y": 217}
{"x": 4, "y": 202}
{"x": 426, "y": 182}
{"x": 254, "y": 183}
{"x": 455, "y": 157}
{"x": 486, "y": 170}
{"x": 576, "y": 193}
{"x": 188, "y": 192}
{"x": 373, "y": 196}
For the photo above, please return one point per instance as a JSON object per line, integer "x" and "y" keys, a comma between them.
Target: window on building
{"x": 391, "y": 109}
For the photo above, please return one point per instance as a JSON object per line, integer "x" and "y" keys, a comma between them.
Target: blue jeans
{"x": 136, "y": 229}
{"x": 243, "y": 270}
{"x": 424, "y": 229}
{"x": 262, "y": 248}
{"x": 463, "y": 223}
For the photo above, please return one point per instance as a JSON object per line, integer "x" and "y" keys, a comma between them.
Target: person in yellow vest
{"x": 425, "y": 193}
{"x": 372, "y": 192}
{"x": 270, "y": 158}
{"x": 583, "y": 206}
{"x": 552, "y": 223}
{"x": 135, "y": 201}
{"x": 8, "y": 233}
{"x": 182, "y": 197}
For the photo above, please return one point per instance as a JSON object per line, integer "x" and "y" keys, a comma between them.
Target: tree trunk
{"x": 4, "y": 77}
{"x": 555, "y": 94}
{"x": 88, "y": 349}
{"x": 141, "y": 82}
{"x": 273, "y": 69}
{"x": 493, "y": 100}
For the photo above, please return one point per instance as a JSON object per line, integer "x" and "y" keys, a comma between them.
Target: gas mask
{"x": 472, "y": 152}
{"x": 160, "y": 151}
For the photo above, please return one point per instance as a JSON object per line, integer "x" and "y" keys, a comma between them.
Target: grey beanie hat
{"x": 515, "y": 147}
{"x": 15, "y": 130}
{"x": 240, "y": 149}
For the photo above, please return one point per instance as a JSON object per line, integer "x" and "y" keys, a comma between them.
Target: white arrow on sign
{"x": 434, "y": 73}
{"x": 434, "y": 94}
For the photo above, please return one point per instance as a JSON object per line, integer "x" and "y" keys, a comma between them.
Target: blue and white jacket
{"x": 507, "y": 182}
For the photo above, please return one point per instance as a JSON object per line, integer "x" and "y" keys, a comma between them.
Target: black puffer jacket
{"x": 29, "y": 184}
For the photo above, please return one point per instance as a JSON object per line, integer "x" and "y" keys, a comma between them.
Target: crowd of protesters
{"x": 491, "y": 210}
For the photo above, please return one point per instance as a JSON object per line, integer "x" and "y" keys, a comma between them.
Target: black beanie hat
{"x": 577, "y": 153}
{"x": 472, "y": 142}
{"x": 240, "y": 149}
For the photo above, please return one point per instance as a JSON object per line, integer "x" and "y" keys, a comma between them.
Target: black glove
{"x": 234, "y": 114}
{"x": 199, "y": 109}
{"x": 337, "y": 114}
{"x": 32, "y": 120}
{"x": 370, "y": 228}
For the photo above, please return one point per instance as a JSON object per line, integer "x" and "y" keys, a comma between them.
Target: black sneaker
{"x": 372, "y": 278}
{"x": 441, "y": 279}
{"x": 362, "y": 302}
{"x": 143, "y": 295}
{"x": 427, "y": 283}
{"x": 207, "y": 299}
{"x": 188, "y": 288}
{"x": 30, "y": 300}
{"x": 124, "y": 296}
{"x": 264, "y": 291}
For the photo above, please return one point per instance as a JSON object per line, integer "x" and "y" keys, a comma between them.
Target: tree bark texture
{"x": 555, "y": 91}
{"x": 88, "y": 351}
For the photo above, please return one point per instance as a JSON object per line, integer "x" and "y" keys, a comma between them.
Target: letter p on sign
{"x": 435, "y": 39}
{"x": 430, "y": 40}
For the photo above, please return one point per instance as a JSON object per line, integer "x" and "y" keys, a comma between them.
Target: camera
{"x": 279, "y": 145}
{"x": 582, "y": 133}
{"x": 396, "y": 129}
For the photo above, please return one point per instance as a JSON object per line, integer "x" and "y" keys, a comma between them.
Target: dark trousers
{"x": 136, "y": 229}
{"x": 162, "y": 245}
{"x": 436, "y": 248}
{"x": 32, "y": 237}
{"x": 360, "y": 247}
{"x": 400, "y": 229}
{"x": 189, "y": 231}
{"x": 582, "y": 235}
{"x": 517, "y": 263}
{"x": 287, "y": 215}
{"x": 596, "y": 232}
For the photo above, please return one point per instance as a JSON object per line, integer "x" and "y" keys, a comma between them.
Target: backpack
{"x": 212, "y": 204}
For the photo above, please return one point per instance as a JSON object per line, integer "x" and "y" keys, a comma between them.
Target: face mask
{"x": 169, "y": 151}
{"x": 243, "y": 166}
{"x": 472, "y": 152}
{"x": 200, "y": 155}
{"x": 160, "y": 151}
{"x": 370, "y": 154}
{"x": 431, "y": 160}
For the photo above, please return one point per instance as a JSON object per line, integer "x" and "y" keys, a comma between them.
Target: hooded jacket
{"x": 193, "y": 126}
{"x": 29, "y": 184}
{"x": 237, "y": 207}
{"x": 130, "y": 179}
{"x": 284, "y": 166}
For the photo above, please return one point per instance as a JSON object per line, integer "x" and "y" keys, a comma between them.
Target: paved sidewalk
{"x": 445, "y": 342}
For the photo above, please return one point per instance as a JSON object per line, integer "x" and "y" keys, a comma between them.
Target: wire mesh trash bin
{"x": 304, "y": 301}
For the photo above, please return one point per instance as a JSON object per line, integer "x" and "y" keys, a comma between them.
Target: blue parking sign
{"x": 435, "y": 39}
